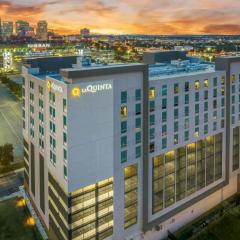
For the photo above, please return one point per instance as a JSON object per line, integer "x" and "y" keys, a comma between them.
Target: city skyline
{"x": 128, "y": 16}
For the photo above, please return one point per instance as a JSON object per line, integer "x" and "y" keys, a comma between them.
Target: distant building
{"x": 42, "y": 31}
{"x": 22, "y": 27}
{"x": 85, "y": 32}
{"x": 30, "y": 32}
{"x": 7, "y": 30}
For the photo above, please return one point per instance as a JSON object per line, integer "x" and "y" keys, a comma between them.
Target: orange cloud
{"x": 129, "y": 16}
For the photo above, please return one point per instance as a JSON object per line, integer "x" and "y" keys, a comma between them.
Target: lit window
{"x": 233, "y": 78}
{"x": 197, "y": 85}
{"x": 176, "y": 88}
{"x": 123, "y": 111}
{"x": 152, "y": 93}
{"x": 206, "y": 83}
{"x": 223, "y": 80}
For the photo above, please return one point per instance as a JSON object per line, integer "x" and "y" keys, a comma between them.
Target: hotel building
{"x": 129, "y": 151}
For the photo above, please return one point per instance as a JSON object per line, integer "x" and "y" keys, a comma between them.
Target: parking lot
{"x": 10, "y": 121}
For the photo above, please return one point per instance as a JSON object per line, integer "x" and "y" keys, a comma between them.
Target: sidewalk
{"x": 11, "y": 172}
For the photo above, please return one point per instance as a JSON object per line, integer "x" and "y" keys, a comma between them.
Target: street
{"x": 10, "y": 183}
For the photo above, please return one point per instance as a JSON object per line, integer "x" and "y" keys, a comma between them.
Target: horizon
{"x": 178, "y": 17}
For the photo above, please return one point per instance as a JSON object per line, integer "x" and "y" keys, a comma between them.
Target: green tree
{"x": 6, "y": 155}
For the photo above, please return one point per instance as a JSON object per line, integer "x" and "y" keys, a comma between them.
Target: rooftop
{"x": 178, "y": 68}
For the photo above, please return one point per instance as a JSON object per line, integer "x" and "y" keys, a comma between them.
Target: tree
{"x": 6, "y": 155}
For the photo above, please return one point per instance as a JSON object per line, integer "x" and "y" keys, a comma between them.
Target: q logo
{"x": 76, "y": 92}
{"x": 49, "y": 85}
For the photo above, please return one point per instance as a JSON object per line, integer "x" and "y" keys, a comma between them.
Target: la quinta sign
{"x": 53, "y": 86}
{"x": 77, "y": 91}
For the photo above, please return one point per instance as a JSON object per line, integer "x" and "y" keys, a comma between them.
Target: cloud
{"x": 222, "y": 29}
{"x": 129, "y": 16}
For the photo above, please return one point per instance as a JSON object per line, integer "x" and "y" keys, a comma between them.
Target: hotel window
{"x": 205, "y": 129}
{"x": 124, "y": 156}
{"x": 152, "y": 106}
{"x": 65, "y": 154}
{"x": 123, "y": 111}
{"x": 164, "y": 90}
{"x": 205, "y": 117}
{"x": 164, "y": 103}
{"x": 196, "y": 108}
{"x": 223, "y": 113}
{"x": 65, "y": 171}
{"x": 175, "y": 138}
{"x": 64, "y": 138}
{"x": 152, "y": 133}
{"x": 223, "y": 102}
{"x": 186, "y": 99}
{"x": 138, "y": 152}
{"x": 197, "y": 85}
{"x": 138, "y": 108}
{"x": 124, "y": 97}
{"x": 222, "y": 80}
{"x": 52, "y": 158}
{"x": 186, "y": 123}
{"x": 64, "y": 105}
{"x": 175, "y": 101}
{"x": 52, "y": 112}
{"x": 138, "y": 94}
{"x": 205, "y": 106}
{"x": 123, "y": 141}
{"x": 130, "y": 195}
{"x": 40, "y": 103}
{"x": 176, "y": 88}
{"x": 186, "y": 86}
{"x": 222, "y": 91}
{"x": 214, "y": 104}
{"x": 152, "y": 147}
{"x": 196, "y": 96}
{"x": 205, "y": 95}
{"x": 52, "y": 127}
{"x": 233, "y": 99}
{"x": 196, "y": 120}
{"x": 215, "y": 82}
{"x": 176, "y": 113}
{"x": 215, "y": 93}
{"x": 152, "y": 119}
{"x": 164, "y": 130}
{"x": 186, "y": 111}
{"x": 206, "y": 83}
{"x": 152, "y": 93}
{"x": 52, "y": 97}
{"x": 164, "y": 116}
{"x": 214, "y": 126}
{"x": 233, "y": 89}
{"x": 40, "y": 90}
{"x": 138, "y": 137}
{"x": 31, "y": 85}
{"x": 164, "y": 143}
{"x": 138, "y": 123}
{"x": 123, "y": 126}
{"x": 64, "y": 121}
{"x": 233, "y": 78}
{"x": 175, "y": 126}
{"x": 186, "y": 135}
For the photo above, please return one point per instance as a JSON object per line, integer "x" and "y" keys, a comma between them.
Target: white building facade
{"x": 129, "y": 151}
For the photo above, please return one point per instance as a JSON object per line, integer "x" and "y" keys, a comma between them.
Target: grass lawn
{"x": 227, "y": 228}
{"x": 13, "y": 223}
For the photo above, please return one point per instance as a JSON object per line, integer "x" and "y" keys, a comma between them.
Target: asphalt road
{"x": 10, "y": 183}
{"x": 10, "y": 121}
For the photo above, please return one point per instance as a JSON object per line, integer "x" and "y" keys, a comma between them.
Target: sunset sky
{"x": 129, "y": 16}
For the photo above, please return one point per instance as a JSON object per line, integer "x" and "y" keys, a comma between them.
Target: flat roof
{"x": 179, "y": 68}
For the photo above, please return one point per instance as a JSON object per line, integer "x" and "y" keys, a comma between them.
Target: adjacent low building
{"x": 129, "y": 151}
